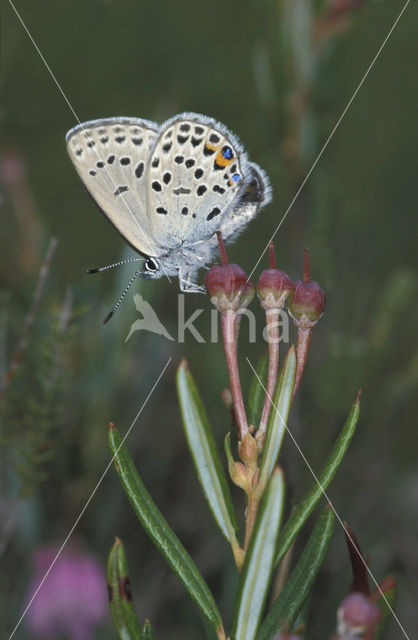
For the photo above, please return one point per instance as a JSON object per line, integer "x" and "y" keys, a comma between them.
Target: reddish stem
{"x": 272, "y": 256}
{"x": 302, "y": 348}
{"x": 230, "y": 345}
{"x": 306, "y": 267}
{"x": 273, "y": 340}
{"x": 222, "y": 250}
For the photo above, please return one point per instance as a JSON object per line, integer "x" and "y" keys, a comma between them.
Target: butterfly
{"x": 169, "y": 188}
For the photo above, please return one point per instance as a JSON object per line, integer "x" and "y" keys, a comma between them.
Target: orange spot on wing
{"x": 221, "y": 161}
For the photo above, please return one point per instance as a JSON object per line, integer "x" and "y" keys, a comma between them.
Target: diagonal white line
{"x": 328, "y": 500}
{"x": 88, "y": 502}
{"x": 369, "y": 68}
{"x": 81, "y": 124}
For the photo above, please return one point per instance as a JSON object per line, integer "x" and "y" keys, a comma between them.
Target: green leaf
{"x": 303, "y": 510}
{"x": 257, "y": 394}
{"x": 389, "y": 589}
{"x": 255, "y": 576}
{"x": 205, "y": 454}
{"x": 160, "y": 532}
{"x": 120, "y": 598}
{"x": 279, "y": 412}
{"x": 148, "y": 631}
{"x": 296, "y": 590}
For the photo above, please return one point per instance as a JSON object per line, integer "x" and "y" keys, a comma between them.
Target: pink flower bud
{"x": 357, "y": 616}
{"x": 229, "y": 287}
{"x": 274, "y": 286}
{"x": 307, "y": 303}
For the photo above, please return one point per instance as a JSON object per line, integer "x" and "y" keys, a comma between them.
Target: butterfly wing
{"x": 194, "y": 176}
{"x": 110, "y": 156}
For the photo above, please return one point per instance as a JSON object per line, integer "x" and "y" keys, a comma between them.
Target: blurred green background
{"x": 279, "y": 74}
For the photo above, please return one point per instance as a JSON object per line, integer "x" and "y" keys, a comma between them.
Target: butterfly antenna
{"x": 115, "y": 264}
{"x": 109, "y": 315}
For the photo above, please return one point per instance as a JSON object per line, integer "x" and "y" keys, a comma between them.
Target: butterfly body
{"x": 168, "y": 189}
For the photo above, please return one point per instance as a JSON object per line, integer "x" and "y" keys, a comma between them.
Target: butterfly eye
{"x": 151, "y": 265}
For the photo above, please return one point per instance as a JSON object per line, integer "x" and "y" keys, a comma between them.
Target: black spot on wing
{"x": 121, "y": 189}
{"x": 155, "y": 163}
{"x": 215, "y": 212}
{"x": 120, "y": 139}
{"x": 196, "y": 141}
{"x": 185, "y": 127}
{"x": 189, "y": 163}
{"x": 198, "y": 173}
{"x": 181, "y": 191}
{"x": 178, "y": 159}
{"x": 137, "y": 141}
{"x": 156, "y": 185}
{"x": 167, "y": 147}
{"x": 218, "y": 189}
{"x": 139, "y": 170}
{"x": 161, "y": 210}
{"x": 201, "y": 190}
{"x": 185, "y": 211}
{"x": 111, "y": 159}
{"x": 125, "y": 161}
{"x": 182, "y": 139}
{"x": 166, "y": 177}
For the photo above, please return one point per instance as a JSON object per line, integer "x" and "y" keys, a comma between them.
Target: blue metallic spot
{"x": 227, "y": 153}
{"x": 236, "y": 177}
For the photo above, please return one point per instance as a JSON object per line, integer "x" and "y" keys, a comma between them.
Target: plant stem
{"x": 221, "y": 633}
{"x": 302, "y": 348}
{"x": 252, "y": 510}
{"x": 273, "y": 339}
{"x": 230, "y": 345}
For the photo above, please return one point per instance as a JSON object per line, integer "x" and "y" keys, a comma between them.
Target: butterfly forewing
{"x": 111, "y": 156}
{"x": 194, "y": 173}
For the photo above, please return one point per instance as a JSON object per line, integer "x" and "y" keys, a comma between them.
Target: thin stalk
{"x": 252, "y": 510}
{"x": 302, "y": 348}
{"x": 273, "y": 339}
{"x": 230, "y": 345}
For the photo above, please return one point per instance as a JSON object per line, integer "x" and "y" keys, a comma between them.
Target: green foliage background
{"x": 356, "y": 214}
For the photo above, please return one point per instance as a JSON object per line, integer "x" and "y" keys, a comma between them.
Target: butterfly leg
{"x": 188, "y": 283}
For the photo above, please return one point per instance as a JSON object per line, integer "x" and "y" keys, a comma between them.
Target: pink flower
{"x": 72, "y": 601}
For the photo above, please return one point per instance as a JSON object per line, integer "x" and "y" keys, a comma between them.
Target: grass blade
{"x": 120, "y": 597}
{"x": 205, "y": 454}
{"x": 303, "y": 510}
{"x": 296, "y": 590}
{"x": 256, "y": 572}
{"x": 160, "y": 532}
{"x": 279, "y": 412}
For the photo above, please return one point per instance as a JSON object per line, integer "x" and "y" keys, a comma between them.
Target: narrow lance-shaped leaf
{"x": 148, "y": 631}
{"x": 255, "y": 576}
{"x": 303, "y": 510}
{"x": 160, "y": 532}
{"x": 205, "y": 454}
{"x": 296, "y": 590}
{"x": 279, "y": 412}
{"x": 120, "y": 597}
{"x": 257, "y": 394}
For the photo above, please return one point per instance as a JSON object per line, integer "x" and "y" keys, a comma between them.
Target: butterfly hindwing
{"x": 111, "y": 156}
{"x": 194, "y": 175}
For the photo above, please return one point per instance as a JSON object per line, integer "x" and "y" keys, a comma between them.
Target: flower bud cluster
{"x": 230, "y": 290}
